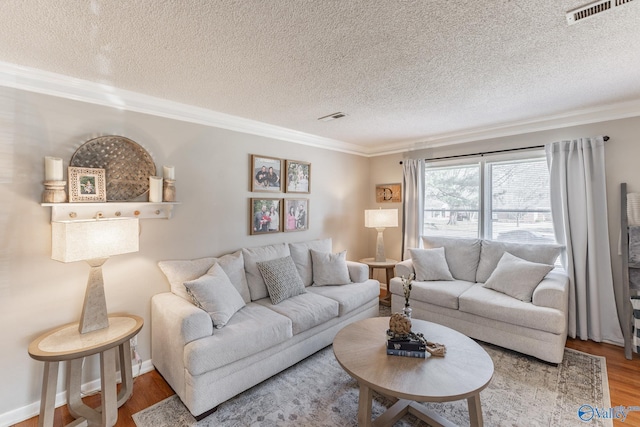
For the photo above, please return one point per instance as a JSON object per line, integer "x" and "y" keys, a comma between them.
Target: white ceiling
{"x": 407, "y": 73}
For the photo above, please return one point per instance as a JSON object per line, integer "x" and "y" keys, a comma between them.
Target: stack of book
{"x": 406, "y": 347}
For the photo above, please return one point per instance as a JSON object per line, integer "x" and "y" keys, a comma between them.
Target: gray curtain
{"x": 579, "y": 211}
{"x": 412, "y": 204}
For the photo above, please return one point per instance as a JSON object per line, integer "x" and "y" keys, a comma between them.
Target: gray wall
{"x": 212, "y": 181}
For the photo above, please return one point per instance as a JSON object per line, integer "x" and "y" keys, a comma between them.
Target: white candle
{"x": 155, "y": 189}
{"x": 169, "y": 172}
{"x": 52, "y": 169}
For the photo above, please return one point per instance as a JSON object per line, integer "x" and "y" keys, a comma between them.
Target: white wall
{"x": 622, "y": 165}
{"x": 212, "y": 173}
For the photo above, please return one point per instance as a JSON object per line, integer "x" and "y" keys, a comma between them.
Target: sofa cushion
{"x": 351, "y": 296}
{"x": 517, "y": 277}
{"x": 215, "y": 294}
{"x": 492, "y": 251}
{"x": 257, "y": 287}
{"x": 281, "y": 278}
{"x": 305, "y": 311}
{"x": 462, "y": 255}
{"x": 329, "y": 269}
{"x": 442, "y": 293}
{"x": 180, "y": 271}
{"x": 430, "y": 264}
{"x": 233, "y": 265}
{"x": 302, "y": 257}
{"x": 494, "y": 305}
{"x": 251, "y": 330}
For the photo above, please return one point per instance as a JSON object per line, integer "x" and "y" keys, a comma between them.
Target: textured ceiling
{"x": 403, "y": 71}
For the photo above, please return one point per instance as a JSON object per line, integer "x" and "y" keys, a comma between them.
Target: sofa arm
{"x": 358, "y": 272}
{"x": 180, "y": 319}
{"x": 553, "y": 291}
{"x": 404, "y": 268}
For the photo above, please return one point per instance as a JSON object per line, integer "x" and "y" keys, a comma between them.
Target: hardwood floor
{"x": 624, "y": 388}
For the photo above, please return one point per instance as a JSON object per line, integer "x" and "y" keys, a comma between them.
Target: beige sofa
{"x": 537, "y": 327}
{"x": 207, "y": 363}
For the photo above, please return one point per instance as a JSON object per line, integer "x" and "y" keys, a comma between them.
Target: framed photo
{"x": 87, "y": 185}
{"x": 265, "y": 216}
{"x": 266, "y": 174}
{"x": 296, "y": 214}
{"x": 388, "y": 193}
{"x": 298, "y": 177}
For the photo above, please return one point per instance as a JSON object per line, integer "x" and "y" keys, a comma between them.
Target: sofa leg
{"x": 205, "y": 414}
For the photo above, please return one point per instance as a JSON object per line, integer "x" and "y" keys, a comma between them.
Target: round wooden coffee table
{"x": 360, "y": 349}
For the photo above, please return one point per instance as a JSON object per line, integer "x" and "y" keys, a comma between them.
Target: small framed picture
{"x": 265, "y": 216}
{"x": 87, "y": 185}
{"x": 266, "y": 174}
{"x": 388, "y": 193}
{"x": 298, "y": 177}
{"x": 296, "y": 215}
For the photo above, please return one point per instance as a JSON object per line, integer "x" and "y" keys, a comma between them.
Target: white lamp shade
{"x": 380, "y": 218}
{"x": 90, "y": 239}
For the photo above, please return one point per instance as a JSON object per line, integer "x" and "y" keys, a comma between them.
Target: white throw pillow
{"x": 302, "y": 257}
{"x": 215, "y": 294}
{"x": 282, "y": 278}
{"x": 330, "y": 269}
{"x": 430, "y": 264}
{"x": 180, "y": 271}
{"x": 517, "y": 277}
{"x": 233, "y": 265}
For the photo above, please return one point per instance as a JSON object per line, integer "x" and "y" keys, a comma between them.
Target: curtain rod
{"x": 606, "y": 138}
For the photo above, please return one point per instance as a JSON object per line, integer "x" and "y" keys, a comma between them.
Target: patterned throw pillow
{"x": 282, "y": 278}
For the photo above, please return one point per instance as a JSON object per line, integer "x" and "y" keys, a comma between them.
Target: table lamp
{"x": 93, "y": 241}
{"x": 380, "y": 219}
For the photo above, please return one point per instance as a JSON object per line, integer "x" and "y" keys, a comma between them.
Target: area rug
{"x": 317, "y": 392}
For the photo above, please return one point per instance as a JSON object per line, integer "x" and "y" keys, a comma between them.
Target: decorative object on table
{"x": 265, "y": 174}
{"x": 296, "y": 214}
{"x": 388, "y": 193}
{"x": 128, "y": 165}
{"x": 265, "y": 216}
{"x": 54, "y": 184}
{"x": 93, "y": 241}
{"x": 399, "y": 332}
{"x": 298, "y": 176}
{"x": 155, "y": 189}
{"x": 380, "y": 219}
{"x": 406, "y": 288}
{"x": 87, "y": 185}
{"x": 169, "y": 184}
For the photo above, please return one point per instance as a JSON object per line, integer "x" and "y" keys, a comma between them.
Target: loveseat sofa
{"x": 508, "y": 294}
{"x": 231, "y": 322}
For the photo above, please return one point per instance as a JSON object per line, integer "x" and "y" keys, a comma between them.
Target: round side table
{"x": 67, "y": 344}
{"x": 389, "y": 266}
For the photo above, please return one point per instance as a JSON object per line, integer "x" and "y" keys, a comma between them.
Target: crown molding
{"x": 58, "y": 85}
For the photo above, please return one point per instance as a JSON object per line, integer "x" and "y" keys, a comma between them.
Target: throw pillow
{"x": 430, "y": 264}
{"x": 180, "y": 271}
{"x": 492, "y": 252}
{"x": 215, "y": 294}
{"x": 302, "y": 257}
{"x": 329, "y": 269}
{"x": 282, "y": 278}
{"x": 517, "y": 277}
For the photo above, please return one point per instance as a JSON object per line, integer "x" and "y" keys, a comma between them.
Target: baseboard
{"x": 33, "y": 409}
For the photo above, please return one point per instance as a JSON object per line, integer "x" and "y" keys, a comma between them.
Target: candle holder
{"x": 169, "y": 190}
{"x": 54, "y": 192}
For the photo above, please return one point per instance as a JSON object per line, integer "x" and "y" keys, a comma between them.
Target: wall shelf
{"x": 80, "y": 211}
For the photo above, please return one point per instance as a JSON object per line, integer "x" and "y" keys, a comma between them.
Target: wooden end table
{"x": 67, "y": 344}
{"x": 465, "y": 371}
{"x": 389, "y": 266}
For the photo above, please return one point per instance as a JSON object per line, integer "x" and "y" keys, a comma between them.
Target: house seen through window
{"x": 500, "y": 199}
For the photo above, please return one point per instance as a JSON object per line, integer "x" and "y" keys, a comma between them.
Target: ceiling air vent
{"x": 593, "y": 9}
{"x": 332, "y": 117}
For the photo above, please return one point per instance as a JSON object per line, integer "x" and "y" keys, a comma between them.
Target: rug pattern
{"x": 317, "y": 392}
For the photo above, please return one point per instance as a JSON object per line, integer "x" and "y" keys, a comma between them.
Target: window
{"x": 499, "y": 199}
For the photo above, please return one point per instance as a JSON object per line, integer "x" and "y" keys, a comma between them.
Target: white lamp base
{"x": 94, "y": 311}
{"x": 380, "y": 255}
